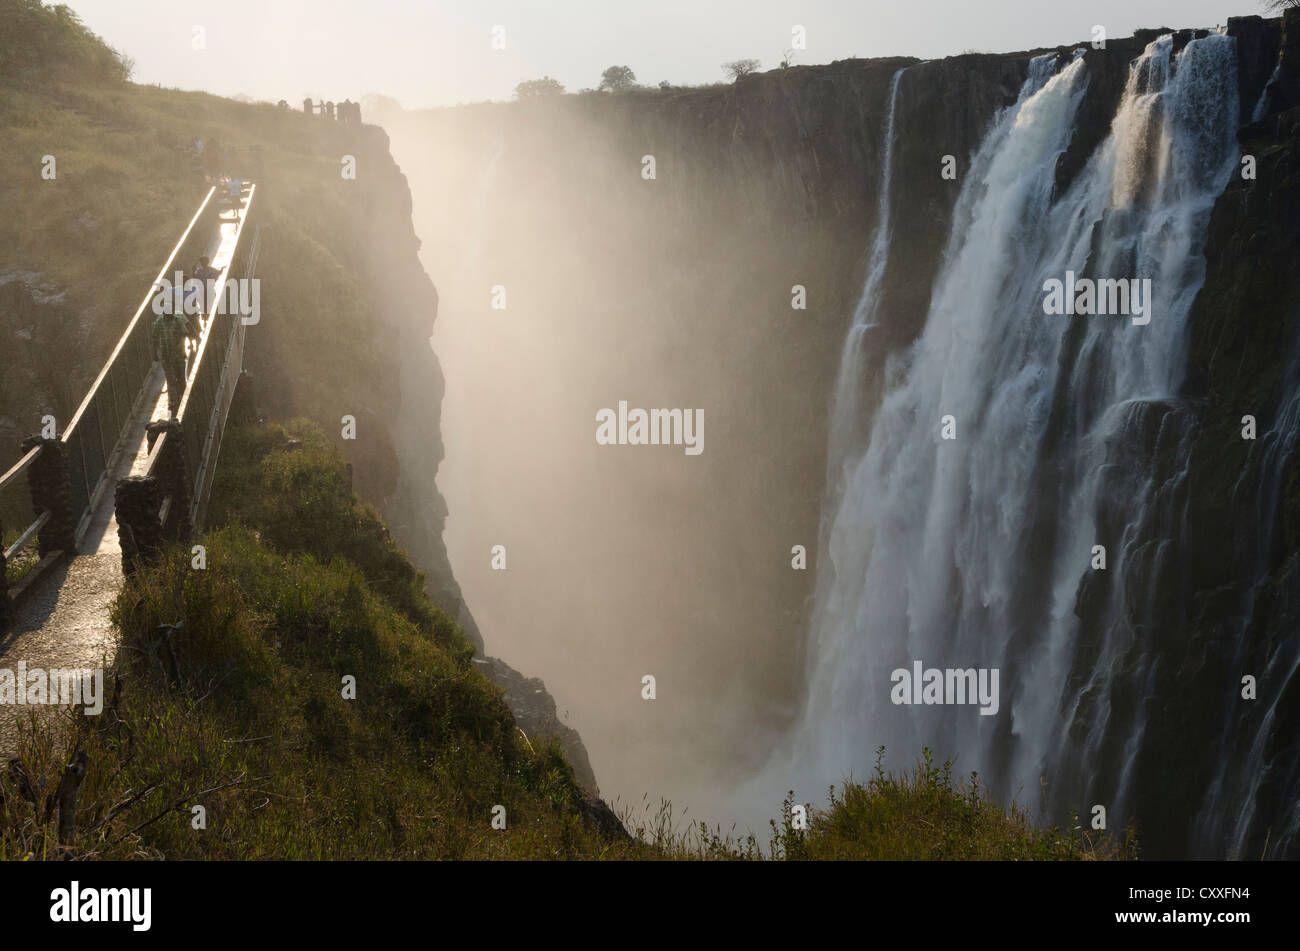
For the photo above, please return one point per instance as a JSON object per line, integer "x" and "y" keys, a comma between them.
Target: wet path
{"x": 64, "y": 622}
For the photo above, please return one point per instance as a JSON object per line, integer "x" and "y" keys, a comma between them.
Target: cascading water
{"x": 1230, "y": 809}
{"x": 969, "y": 552}
{"x": 846, "y": 408}
{"x": 1261, "y": 105}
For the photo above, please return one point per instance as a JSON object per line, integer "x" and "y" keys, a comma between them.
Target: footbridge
{"x": 125, "y": 475}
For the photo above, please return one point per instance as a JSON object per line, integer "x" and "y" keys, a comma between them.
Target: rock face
{"x": 1216, "y": 577}
{"x": 534, "y": 710}
{"x": 406, "y": 306}
{"x": 1238, "y": 587}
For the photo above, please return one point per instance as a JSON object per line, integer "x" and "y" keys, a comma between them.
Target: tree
{"x": 617, "y": 79}
{"x": 533, "y": 88}
{"x": 1279, "y": 6}
{"x": 741, "y": 67}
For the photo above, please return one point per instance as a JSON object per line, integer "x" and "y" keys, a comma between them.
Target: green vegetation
{"x": 533, "y": 88}
{"x": 18, "y": 567}
{"x": 617, "y": 79}
{"x": 39, "y": 41}
{"x": 926, "y": 815}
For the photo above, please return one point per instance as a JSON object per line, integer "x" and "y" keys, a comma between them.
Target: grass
{"x": 925, "y": 815}
{"x": 230, "y": 694}
{"x": 21, "y": 564}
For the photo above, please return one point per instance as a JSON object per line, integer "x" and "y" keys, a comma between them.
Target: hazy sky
{"x": 428, "y": 53}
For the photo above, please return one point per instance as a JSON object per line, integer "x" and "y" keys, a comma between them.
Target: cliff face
{"x": 407, "y": 305}
{"x": 1238, "y": 585}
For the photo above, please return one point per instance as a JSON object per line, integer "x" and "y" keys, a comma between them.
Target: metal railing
{"x": 215, "y": 372}
{"x": 52, "y": 491}
{"x": 96, "y": 429}
{"x": 117, "y": 396}
{"x": 16, "y": 507}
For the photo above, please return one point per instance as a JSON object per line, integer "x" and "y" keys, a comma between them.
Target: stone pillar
{"x": 47, "y": 478}
{"x": 307, "y": 106}
{"x": 136, "y": 504}
{"x": 173, "y": 478}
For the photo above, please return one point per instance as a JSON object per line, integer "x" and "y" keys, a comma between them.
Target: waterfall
{"x": 1261, "y": 104}
{"x": 845, "y": 405}
{"x": 969, "y": 552}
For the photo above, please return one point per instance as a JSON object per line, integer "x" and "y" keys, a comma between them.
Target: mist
{"x": 622, "y": 561}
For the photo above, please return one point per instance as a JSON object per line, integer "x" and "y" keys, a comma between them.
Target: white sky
{"x": 437, "y": 52}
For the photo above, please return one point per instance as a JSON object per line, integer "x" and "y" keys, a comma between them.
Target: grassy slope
{"x": 241, "y": 710}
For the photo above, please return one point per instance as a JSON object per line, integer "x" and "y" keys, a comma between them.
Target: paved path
{"x": 65, "y": 622}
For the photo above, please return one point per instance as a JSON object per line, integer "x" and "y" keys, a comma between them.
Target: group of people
{"x": 210, "y": 154}
{"x": 346, "y": 111}
{"x": 172, "y": 331}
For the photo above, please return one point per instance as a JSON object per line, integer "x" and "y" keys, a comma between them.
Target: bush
{"x": 739, "y": 68}
{"x": 535, "y": 88}
{"x": 39, "y": 41}
{"x": 617, "y": 79}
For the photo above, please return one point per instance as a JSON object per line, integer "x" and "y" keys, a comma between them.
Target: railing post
{"x": 135, "y": 503}
{"x": 173, "y": 477}
{"x": 51, "y": 489}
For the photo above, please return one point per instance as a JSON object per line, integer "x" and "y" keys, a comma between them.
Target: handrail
{"x": 17, "y": 507}
{"x": 21, "y": 542}
{"x": 210, "y": 387}
{"x": 66, "y": 478}
{"x": 232, "y": 363}
{"x": 117, "y": 396}
{"x": 148, "y": 298}
{"x": 19, "y": 467}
